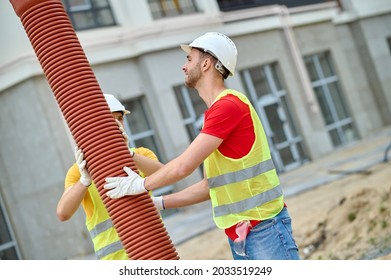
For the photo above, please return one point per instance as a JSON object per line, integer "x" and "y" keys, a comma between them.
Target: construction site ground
{"x": 340, "y": 206}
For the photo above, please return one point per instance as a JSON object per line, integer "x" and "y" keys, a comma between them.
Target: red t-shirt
{"x": 230, "y": 119}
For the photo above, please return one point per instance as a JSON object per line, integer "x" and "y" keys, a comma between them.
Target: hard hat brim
{"x": 186, "y": 48}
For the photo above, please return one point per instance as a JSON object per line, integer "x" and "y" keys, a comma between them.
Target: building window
{"x": 141, "y": 134}
{"x": 88, "y": 14}
{"x": 266, "y": 91}
{"x": 171, "y": 8}
{"x": 389, "y": 43}
{"x": 192, "y": 109}
{"x": 232, "y": 5}
{"x": 8, "y": 246}
{"x": 335, "y": 112}
{"x": 138, "y": 126}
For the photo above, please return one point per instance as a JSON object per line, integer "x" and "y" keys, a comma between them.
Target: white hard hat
{"x": 218, "y": 45}
{"x": 115, "y": 105}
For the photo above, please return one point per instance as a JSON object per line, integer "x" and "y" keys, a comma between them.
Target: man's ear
{"x": 206, "y": 63}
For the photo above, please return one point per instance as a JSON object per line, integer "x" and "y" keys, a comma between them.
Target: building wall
{"x": 376, "y": 56}
{"x": 143, "y": 58}
{"x": 35, "y": 154}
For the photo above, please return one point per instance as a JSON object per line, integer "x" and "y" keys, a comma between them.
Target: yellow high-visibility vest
{"x": 247, "y": 188}
{"x": 107, "y": 244}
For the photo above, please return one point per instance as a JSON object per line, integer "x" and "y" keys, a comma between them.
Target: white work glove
{"x": 121, "y": 186}
{"x": 122, "y": 129}
{"x": 85, "y": 177}
{"x": 126, "y": 137}
{"x": 158, "y": 202}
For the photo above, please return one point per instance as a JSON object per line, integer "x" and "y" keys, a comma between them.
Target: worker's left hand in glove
{"x": 85, "y": 177}
{"x": 122, "y": 129}
{"x": 121, "y": 186}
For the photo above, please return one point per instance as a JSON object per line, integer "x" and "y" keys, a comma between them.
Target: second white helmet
{"x": 218, "y": 45}
{"x": 115, "y": 105}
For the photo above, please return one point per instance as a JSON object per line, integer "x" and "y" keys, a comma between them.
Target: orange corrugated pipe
{"x": 94, "y": 130}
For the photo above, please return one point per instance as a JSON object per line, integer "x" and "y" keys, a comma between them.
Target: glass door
{"x": 269, "y": 98}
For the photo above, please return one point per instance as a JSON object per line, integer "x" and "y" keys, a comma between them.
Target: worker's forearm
{"x": 70, "y": 201}
{"x": 169, "y": 174}
{"x": 184, "y": 164}
{"x": 194, "y": 194}
{"x": 146, "y": 165}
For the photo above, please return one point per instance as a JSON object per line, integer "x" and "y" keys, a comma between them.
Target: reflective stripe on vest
{"x": 105, "y": 225}
{"x": 249, "y": 203}
{"x": 111, "y": 248}
{"x": 241, "y": 175}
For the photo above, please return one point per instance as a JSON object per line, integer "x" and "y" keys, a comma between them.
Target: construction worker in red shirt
{"x": 240, "y": 178}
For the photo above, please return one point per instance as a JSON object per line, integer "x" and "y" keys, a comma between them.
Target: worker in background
{"x": 80, "y": 190}
{"x": 240, "y": 178}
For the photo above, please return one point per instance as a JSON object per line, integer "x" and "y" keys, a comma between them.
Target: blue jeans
{"x": 271, "y": 239}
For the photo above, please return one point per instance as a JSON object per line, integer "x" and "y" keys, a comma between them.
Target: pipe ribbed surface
{"x": 94, "y": 129}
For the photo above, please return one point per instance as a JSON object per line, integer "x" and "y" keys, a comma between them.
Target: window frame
{"x": 161, "y": 9}
{"x": 72, "y": 11}
{"x": 149, "y": 132}
{"x": 321, "y": 85}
